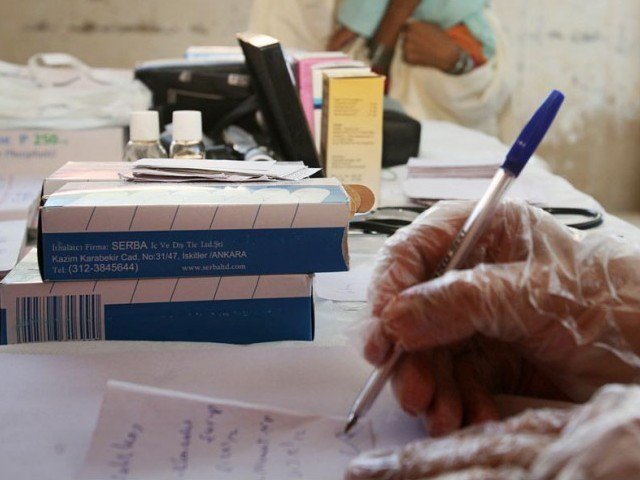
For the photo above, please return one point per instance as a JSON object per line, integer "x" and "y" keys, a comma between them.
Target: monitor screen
{"x": 279, "y": 102}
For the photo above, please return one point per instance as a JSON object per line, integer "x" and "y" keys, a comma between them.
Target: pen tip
{"x": 351, "y": 422}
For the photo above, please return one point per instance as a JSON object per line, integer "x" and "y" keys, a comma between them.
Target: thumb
{"x": 490, "y": 299}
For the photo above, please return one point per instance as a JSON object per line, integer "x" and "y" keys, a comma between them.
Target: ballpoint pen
{"x": 474, "y": 226}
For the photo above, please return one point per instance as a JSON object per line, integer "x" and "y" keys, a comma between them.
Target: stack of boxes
{"x": 176, "y": 262}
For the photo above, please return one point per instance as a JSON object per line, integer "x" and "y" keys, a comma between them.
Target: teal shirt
{"x": 363, "y": 17}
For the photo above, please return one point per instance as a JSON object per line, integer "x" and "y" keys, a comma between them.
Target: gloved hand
{"x": 538, "y": 310}
{"x": 599, "y": 440}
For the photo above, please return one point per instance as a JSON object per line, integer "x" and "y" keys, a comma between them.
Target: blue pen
{"x": 474, "y": 226}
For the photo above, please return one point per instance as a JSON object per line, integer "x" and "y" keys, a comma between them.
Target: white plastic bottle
{"x": 144, "y": 137}
{"x": 187, "y": 135}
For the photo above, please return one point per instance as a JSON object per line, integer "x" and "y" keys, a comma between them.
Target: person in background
{"x": 539, "y": 310}
{"x": 453, "y": 36}
{"x": 445, "y": 59}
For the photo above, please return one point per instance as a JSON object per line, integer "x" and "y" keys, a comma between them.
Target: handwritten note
{"x": 149, "y": 433}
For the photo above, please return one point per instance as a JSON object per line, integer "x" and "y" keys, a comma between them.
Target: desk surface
{"x": 51, "y": 392}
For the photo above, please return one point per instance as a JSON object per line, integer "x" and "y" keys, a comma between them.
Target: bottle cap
{"x": 144, "y": 126}
{"x": 187, "y": 126}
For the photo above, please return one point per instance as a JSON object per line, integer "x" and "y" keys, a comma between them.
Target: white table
{"x": 51, "y": 393}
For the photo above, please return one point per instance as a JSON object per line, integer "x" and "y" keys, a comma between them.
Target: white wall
{"x": 589, "y": 50}
{"x": 117, "y": 32}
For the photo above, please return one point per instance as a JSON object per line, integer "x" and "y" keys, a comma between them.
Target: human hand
{"x": 537, "y": 310}
{"x": 428, "y": 45}
{"x": 341, "y": 38}
{"x": 599, "y": 440}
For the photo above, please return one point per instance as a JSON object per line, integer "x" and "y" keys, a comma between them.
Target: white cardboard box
{"x": 104, "y": 230}
{"x": 38, "y": 153}
{"x": 245, "y": 309}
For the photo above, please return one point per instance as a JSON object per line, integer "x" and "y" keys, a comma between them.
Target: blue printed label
{"x": 227, "y": 321}
{"x": 3, "y": 326}
{"x": 83, "y": 317}
{"x": 78, "y": 256}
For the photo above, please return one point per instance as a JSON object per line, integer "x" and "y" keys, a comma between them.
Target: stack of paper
{"x": 483, "y": 166}
{"x": 459, "y": 173}
{"x": 19, "y": 197}
{"x": 13, "y": 235}
{"x": 170, "y": 170}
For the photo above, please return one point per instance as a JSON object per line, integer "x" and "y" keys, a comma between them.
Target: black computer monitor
{"x": 279, "y": 102}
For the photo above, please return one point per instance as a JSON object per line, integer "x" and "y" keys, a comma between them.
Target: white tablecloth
{"x": 51, "y": 392}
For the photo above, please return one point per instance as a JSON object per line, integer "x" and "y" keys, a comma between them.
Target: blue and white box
{"x": 241, "y": 310}
{"x": 116, "y": 230}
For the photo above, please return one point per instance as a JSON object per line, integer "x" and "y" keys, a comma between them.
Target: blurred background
{"x": 589, "y": 52}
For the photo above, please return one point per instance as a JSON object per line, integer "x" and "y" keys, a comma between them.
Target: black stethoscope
{"x": 387, "y": 220}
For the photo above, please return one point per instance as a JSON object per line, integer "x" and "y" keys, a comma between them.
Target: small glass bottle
{"x": 187, "y": 135}
{"x": 144, "y": 137}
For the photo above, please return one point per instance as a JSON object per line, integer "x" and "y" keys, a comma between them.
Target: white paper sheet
{"x": 472, "y": 189}
{"x": 13, "y": 235}
{"x": 150, "y": 433}
{"x": 19, "y": 195}
{"x": 350, "y": 286}
{"x": 205, "y": 165}
{"x": 477, "y": 166}
{"x": 50, "y": 403}
{"x": 217, "y": 170}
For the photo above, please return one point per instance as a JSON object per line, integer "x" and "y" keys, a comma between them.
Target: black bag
{"x": 221, "y": 91}
{"x": 400, "y": 138}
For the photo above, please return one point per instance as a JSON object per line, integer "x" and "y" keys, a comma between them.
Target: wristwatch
{"x": 464, "y": 64}
{"x": 380, "y": 56}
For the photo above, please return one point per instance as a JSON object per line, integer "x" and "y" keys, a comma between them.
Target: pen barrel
{"x": 375, "y": 383}
{"x": 476, "y": 223}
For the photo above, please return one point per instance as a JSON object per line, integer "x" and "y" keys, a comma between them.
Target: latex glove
{"x": 539, "y": 310}
{"x": 599, "y": 440}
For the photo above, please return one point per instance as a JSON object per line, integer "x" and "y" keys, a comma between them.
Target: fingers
{"x": 378, "y": 345}
{"x": 383, "y": 465}
{"x": 445, "y": 413}
{"x": 477, "y": 401}
{"x": 542, "y": 421}
{"x": 490, "y": 299}
{"x": 424, "y": 386}
{"x": 601, "y": 439}
{"x": 414, "y": 383}
{"x": 412, "y": 254}
{"x": 447, "y": 454}
{"x": 484, "y": 473}
{"x": 340, "y": 39}
{"x": 434, "y": 458}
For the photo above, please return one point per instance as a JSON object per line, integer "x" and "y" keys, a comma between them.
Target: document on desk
{"x": 151, "y": 433}
{"x": 164, "y": 170}
{"x": 349, "y": 286}
{"x": 529, "y": 190}
{"x": 13, "y": 236}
